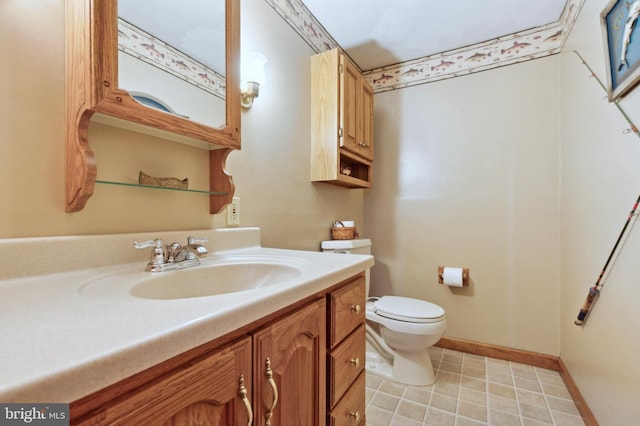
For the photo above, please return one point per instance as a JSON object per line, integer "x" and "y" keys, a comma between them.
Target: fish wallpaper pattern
{"x": 506, "y": 50}
{"x": 145, "y": 47}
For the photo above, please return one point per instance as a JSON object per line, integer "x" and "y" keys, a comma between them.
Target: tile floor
{"x": 473, "y": 390}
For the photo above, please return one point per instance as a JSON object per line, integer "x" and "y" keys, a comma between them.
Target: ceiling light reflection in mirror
{"x": 175, "y": 52}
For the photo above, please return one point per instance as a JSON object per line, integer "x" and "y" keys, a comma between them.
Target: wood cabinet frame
{"x": 341, "y": 122}
{"x": 92, "y": 87}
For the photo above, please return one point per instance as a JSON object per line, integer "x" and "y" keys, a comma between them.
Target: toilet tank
{"x": 360, "y": 246}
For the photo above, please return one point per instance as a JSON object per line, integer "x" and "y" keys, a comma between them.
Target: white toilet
{"x": 400, "y": 330}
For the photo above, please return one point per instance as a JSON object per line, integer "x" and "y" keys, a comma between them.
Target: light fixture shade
{"x": 252, "y": 76}
{"x": 253, "y": 68}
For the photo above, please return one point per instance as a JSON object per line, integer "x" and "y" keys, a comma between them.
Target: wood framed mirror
{"x": 92, "y": 88}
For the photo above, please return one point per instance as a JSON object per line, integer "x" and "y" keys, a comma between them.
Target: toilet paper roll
{"x": 452, "y": 276}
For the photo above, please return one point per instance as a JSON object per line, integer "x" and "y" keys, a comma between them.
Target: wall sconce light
{"x": 253, "y": 76}
{"x": 250, "y": 92}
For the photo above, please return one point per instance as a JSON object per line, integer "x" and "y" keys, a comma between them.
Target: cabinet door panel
{"x": 200, "y": 413}
{"x": 350, "y": 105}
{"x": 295, "y": 349}
{"x": 366, "y": 122}
{"x": 204, "y": 391}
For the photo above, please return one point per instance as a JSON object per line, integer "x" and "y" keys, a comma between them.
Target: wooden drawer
{"x": 350, "y": 409}
{"x": 346, "y": 362}
{"x": 347, "y": 310}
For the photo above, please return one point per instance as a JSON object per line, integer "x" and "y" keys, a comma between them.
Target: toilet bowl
{"x": 400, "y": 330}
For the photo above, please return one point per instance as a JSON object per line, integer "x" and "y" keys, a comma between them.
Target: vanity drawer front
{"x": 346, "y": 362}
{"x": 347, "y": 310}
{"x": 350, "y": 409}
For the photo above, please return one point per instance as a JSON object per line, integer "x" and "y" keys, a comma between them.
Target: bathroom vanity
{"x": 272, "y": 370}
{"x": 289, "y": 351}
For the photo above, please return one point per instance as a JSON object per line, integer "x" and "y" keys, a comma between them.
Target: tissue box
{"x": 344, "y": 233}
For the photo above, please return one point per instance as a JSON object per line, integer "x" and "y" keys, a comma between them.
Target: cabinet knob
{"x": 355, "y": 362}
{"x": 355, "y": 415}
{"x": 355, "y": 309}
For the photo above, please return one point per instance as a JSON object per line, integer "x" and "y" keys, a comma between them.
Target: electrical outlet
{"x": 233, "y": 212}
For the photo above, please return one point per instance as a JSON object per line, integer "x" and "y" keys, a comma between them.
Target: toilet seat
{"x": 408, "y": 309}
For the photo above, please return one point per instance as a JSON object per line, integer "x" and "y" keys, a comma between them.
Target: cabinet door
{"x": 204, "y": 391}
{"x": 365, "y": 138}
{"x": 349, "y": 105}
{"x": 289, "y": 369}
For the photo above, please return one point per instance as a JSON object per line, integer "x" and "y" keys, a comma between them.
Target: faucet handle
{"x": 196, "y": 247}
{"x": 149, "y": 243}
{"x": 157, "y": 255}
{"x": 194, "y": 240}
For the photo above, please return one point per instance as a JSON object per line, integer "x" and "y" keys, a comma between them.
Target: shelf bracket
{"x": 220, "y": 180}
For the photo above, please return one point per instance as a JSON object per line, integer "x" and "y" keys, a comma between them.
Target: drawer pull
{"x": 355, "y": 362}
{"x": 355, "y": 415}
{"x": 269, "y": 374}
{"x": 243, "y": 394}
{"x": 355, "y": 309}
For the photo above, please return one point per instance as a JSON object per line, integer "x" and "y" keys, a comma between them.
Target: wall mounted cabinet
{"x": 341, "y": 122}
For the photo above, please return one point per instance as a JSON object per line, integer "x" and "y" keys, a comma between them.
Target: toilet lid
{"x": 408, "y": 309}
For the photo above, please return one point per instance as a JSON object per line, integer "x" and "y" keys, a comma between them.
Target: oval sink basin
{"x": 212, "y": 277}
{"x": 212, "y": 280}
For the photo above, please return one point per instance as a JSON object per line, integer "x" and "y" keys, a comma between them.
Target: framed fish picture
{"x": 622, "y": 46}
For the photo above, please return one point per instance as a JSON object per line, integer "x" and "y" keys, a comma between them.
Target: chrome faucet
{"x": 174, "y": 256}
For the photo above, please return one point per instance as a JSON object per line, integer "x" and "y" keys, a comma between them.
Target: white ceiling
{"x": 378, "y": 33}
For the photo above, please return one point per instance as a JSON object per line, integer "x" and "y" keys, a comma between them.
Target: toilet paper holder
{"x": 465, "y": 276}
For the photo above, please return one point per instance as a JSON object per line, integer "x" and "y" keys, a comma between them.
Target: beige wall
{"x": 271, "y": 172}
{"x": 467, "y": 175}
{"x": 524, "y": 175}
{"x": 600, "y": 182}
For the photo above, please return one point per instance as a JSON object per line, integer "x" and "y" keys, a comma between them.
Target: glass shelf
{"x": 137, "y": 185}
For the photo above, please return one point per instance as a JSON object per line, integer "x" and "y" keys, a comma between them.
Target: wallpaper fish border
{"x": 141, "y": 45}
{"x": 506, "y": 50}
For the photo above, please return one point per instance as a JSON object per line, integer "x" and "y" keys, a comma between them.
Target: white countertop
{"x": 59, "y": 345}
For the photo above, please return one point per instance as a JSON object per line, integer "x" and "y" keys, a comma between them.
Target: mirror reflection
{"x": 171, "y": 56}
